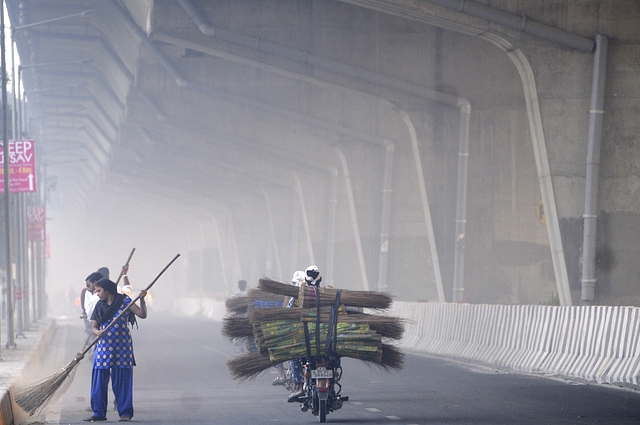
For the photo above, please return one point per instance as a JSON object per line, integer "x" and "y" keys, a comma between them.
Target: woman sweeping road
{"x": 113, "y": 357}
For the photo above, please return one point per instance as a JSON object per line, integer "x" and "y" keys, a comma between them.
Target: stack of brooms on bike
{"x": 282, "y": 334}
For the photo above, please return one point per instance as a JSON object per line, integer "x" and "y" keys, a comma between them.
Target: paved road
{"x": 181, "y": 378}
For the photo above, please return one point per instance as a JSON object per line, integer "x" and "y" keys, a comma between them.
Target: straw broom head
{"x": 386, "y": 326}
{"x": 237, "y": 304}
{"x": 249, "y": 366}
{"x": 392, "y": 357}
{"x": 35, "y": 396}
{"x": 257, "y": 294}
{"x": 308, "y": 295}
{"x": 275, "y": 287}
{"x": 268, "y": 314}
{"x": 236, "y": 327}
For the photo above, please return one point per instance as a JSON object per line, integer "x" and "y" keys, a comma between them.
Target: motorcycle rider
{"x": 312, "y": 277}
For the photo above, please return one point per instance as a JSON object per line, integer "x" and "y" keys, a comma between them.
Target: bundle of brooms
{"x": 280, "y": 335}
{"x": 387, "y": 326}
{"x": 259, "y": 299}
{"x": 237, "y": 304}
{"x": 306, "y": 295}
{"x": 243, "y": 327}
{"x": 284, "y": 340}
{"x": 250, "y": 365}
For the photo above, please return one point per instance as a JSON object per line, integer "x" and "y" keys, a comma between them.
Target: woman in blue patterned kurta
{"x": 113, "y": 357}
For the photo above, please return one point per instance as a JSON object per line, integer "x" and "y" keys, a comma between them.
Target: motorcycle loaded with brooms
{"x": 326, "y": 325}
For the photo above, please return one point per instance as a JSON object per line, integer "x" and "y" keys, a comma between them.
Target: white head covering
{"x": 298, "y": 277}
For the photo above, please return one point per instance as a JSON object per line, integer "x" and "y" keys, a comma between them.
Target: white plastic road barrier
{"x": 592, "y": 343}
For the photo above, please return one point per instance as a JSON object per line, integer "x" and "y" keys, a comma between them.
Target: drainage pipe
{"x": 305, "y": 218}
{"x": 354, "y": 217}
{"x": 341, "y": 68}
{"x": 519, "y": 23}
{"x": 272, "y": 231}
{"x": 461, "y": 202}
{"x": 590, "y": 216}
{"x": 331, "y": 225}
{"x": 425, "y": 204}
{"x": 313, "y": 60}
{"x": 387, "y": 144}
{"x": 387, "y": 189}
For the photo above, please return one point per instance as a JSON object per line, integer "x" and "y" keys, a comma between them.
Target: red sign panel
{"x": 36, "y": 223}
{"x": 22, "y": 166}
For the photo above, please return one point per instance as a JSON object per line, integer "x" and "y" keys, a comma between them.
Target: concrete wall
{"x": 508, "y": 253}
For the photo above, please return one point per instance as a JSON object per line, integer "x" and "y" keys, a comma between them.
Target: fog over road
{"x": 182, "y": 378}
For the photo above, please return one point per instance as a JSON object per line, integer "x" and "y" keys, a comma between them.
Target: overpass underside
{"x": 401, "y": 146}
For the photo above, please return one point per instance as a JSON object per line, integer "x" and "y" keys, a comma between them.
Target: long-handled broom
{"x": 125, "y": 264}
{"x": 35, "y": 396}
{"x": 117, "y": 281}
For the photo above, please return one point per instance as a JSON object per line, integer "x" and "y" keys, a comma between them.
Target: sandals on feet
{"x": 124, "y": 419}
{"x": 295, "y": 395}
{"x": 94, "y": 419}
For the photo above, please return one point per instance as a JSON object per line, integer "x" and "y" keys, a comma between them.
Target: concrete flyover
{"x": 441, "y": 150}
{"x": 457, "y": 138}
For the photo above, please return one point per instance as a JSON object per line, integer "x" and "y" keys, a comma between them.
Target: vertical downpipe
{"x": 387, "y": 190}
{"x": 425, "y": 204}
{"x": 590, "y": 216}
{"x": 331, "y": 225}
{"x": 461, "y": 209}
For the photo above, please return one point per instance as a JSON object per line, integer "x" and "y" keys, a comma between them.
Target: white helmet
{"x": 312, "y": 276}
{"x": 298, "y": 277}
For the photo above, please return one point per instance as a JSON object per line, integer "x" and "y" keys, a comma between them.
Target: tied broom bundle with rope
{"x": 35, "y": 396}
{"x": 238, "y": 306}
{"x": 307, "y": 294}
{"x": 280, "y": 333}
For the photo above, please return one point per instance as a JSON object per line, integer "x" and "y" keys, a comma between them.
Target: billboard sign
{"x": 36, "y": 224}
{"x": 22, "y": 166}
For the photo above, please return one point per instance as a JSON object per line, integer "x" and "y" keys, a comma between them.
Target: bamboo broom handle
{"x": 119, "y": 277}
{"x": 80, "y": 355}
{"x": 126, "y": 264}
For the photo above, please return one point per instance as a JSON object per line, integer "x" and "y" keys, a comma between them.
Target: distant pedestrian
{"x": 242, "y": 286}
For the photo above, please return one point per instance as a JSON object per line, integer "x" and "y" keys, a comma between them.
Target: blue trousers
{"x": 122, "y": 385}
{"x": 296, "y": 371}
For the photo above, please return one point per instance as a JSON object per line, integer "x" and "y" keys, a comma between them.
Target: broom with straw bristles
{"x": 250, "y": 365}
{"x": 237, "y": 304}
{"x": 35, "y": 396}
{"x": 386, "y": 326}
{"x": 260, "y": 299}
{"x": 392, "y": 357}
{"x": 274, "y": 287}
{"x": 306, "y": 295}
{"x": 236, "y": 327}
{"x": 70, "y": 377}
{"x": 117, "y": 281}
